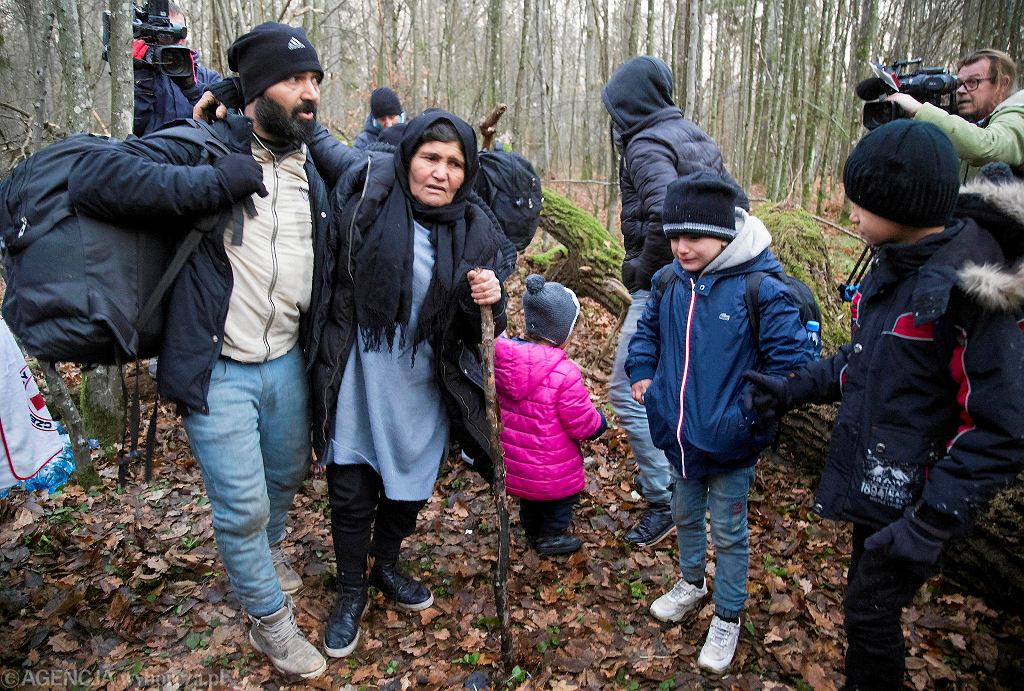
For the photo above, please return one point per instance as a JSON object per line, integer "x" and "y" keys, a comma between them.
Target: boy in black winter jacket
{"x": 932, "y": 415}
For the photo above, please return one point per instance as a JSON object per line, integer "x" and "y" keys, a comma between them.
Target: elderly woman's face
{"x": 436, "y": 172}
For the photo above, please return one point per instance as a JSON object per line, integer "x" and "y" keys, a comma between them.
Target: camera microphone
{"x": 871, "y": 89}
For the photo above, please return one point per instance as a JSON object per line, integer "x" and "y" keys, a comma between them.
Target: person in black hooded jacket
{"x": 658, "y": 145}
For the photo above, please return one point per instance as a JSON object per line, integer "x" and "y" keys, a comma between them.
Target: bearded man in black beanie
{"x": 238, "y": 322}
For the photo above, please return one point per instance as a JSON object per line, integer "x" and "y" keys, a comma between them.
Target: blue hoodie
{"x": 694, "y": 341}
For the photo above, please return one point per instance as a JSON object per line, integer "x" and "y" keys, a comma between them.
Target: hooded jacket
{"x": 932, "y": 405}
{"x": 999, "y": 137}
{"x": 369, "y": 135}
{"x": 694, "y": 341}
{"x": 545, "y": 412}
{"x": 657, "y": 145}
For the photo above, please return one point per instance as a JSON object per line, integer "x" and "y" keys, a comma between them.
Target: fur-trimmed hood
{"x": 999, "y": 209}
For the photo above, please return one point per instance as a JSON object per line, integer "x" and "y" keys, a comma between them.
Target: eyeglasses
{"x": 972, "y": 83}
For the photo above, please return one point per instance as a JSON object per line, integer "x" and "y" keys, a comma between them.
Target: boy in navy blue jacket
{"x": 931, "y": 420}
{"x": 685, "y": 364}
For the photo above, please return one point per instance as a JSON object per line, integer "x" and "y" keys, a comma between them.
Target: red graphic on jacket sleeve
{"x": 958, "y": 370}
{"x": 906, "y": 328}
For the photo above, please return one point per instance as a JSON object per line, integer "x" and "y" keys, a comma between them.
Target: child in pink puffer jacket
{"x": 545, "y": 412}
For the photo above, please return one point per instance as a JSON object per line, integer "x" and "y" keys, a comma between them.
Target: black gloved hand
{"x": 768, "y": 396}
{"x": 909, "y": 538}
{"x": 228, "y": 91}
{"x": 240, "y": 176}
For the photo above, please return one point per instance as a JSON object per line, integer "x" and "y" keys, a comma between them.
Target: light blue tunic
{"x": 390, "y": 412}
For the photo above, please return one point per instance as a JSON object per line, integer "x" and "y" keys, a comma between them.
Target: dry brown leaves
{"x": 124, "y": 590}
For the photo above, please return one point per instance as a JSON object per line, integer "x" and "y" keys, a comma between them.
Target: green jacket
{"x": 999, "y": 138}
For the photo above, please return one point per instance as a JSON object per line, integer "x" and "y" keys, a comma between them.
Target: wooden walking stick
{"x": 497, "y": 488}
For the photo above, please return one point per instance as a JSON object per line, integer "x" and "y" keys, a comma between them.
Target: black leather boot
{"x": 654, "y": 526}
{"x": 342, "y": 633}
{"x": 558, "y": 544}
{"x": 408, "y": 593}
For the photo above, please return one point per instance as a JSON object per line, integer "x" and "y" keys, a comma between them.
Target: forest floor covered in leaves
{"x": 123, "y": 589}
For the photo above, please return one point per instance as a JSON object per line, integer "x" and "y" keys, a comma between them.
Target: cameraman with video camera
{"x": 990, "y": 124}
{"x": 166, "y": 88}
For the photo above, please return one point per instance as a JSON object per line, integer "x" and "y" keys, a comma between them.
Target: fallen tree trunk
{"x": 588, "y": 260}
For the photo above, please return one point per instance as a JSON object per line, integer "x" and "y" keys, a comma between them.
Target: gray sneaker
{"x": 278, "y": 637}
{"x": 290, "y": 581}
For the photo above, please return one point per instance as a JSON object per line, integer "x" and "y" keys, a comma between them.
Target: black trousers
{"x": 546, "y": 518}
{"x": 878, "y": 589}
{"x": 364, "y": 521}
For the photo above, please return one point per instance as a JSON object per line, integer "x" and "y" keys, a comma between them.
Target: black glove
{"x": 240, "y": 176}
{"x": 768, "y": 396}
{"x": 228, "y": 91}
{"x": 909, "y": 538}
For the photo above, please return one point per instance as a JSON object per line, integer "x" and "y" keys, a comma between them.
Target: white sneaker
{"x": 716, "y": 655}
{"x": 290, "y": 581}
{"x": 683, "y": 599}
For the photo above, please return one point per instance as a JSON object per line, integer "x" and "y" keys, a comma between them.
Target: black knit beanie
{"x": 904, "y": 171}
{"x": 269, "y": 53}
{"x": 700, "y": 204}
{"x": 384, "y": 102}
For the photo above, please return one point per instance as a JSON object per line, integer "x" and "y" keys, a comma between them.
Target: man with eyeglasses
{"x": 990, "y": 124}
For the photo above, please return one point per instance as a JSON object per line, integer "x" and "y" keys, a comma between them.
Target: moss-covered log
{"x": 990, "y": 559}
{"x": 799, "y": 244}
{"x": 589, "y": 260}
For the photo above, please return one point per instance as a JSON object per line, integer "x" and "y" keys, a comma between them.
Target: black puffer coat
{"x": 658, "y": 145}
{"x": 358, "y": 197}
{"x": 932, "y": 405}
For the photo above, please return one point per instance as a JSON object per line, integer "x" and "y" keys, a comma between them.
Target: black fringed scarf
{"x": 383, "y": 272}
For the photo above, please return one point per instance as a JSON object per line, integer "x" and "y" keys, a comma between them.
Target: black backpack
{"x": 805, "y": 300}
{"x": 80, "y": 289}
{"x": 510, "y": 186}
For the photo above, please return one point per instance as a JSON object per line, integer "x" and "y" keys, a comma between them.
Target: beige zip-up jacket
{"x": 273, "y": 267}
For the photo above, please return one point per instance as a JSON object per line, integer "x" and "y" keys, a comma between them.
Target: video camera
{"x": 152, "y": 24}
{"x": 933, "y": 85}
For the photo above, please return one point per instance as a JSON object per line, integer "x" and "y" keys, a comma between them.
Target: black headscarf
{"x": 383, "y": 274}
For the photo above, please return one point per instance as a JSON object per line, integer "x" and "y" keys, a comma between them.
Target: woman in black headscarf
{"x": 396, "y": 369}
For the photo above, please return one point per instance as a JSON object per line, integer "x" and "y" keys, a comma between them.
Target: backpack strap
{"x": 665, "y": 279}
{"x": 197, "y": 132}
{"x": 752, "y": 301}
{"x": 181, "y": 256}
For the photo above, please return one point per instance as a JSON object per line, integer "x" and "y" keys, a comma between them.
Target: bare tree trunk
{"x": 122, "y": 99}
{"x": 520, "y": 105}
{"x": 77, "y": 101}
{"x": 692, "y": 57}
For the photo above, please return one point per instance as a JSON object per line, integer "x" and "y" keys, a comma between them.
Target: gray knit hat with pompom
{"x": 550, "y": 309}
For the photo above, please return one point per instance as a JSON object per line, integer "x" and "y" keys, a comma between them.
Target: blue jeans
{"x": 726, "y": 496}
{"x": 253, "y": 449}
{"x": 655, "y": 472}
